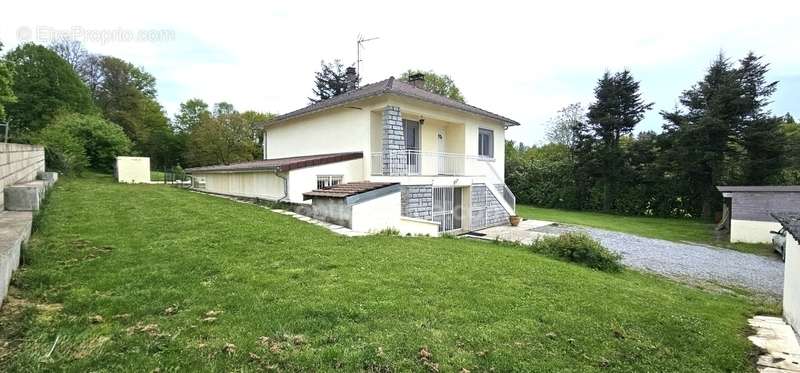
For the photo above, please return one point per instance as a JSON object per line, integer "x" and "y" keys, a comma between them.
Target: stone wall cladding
{"x": 484, "y": 200}
{"x": 416, "y": 201}
{"x": 756, "y": 206}
{"x": 393, "y": 139}
{"x": 19, "y": 163}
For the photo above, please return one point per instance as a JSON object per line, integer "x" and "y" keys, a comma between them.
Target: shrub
{"x": 101, "y": 140}
{"x": 63, "y": 151}
{"x": 578, "y": 248}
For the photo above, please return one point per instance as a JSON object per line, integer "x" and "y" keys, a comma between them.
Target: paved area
{"x": 778, "y": 343}
{"x": 687, "y": 262}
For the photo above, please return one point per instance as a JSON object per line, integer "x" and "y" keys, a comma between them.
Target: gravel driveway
{"x": 760, "y": 274}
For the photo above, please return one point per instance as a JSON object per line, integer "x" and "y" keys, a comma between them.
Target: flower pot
{"x": 514, "y": 220}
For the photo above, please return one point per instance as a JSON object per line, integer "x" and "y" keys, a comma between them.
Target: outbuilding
{"x": 747, "y": 210}
{"x": 132, "y": 170}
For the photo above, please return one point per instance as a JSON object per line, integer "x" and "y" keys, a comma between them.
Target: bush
{"x": 63, "y": 151}
{"x": 578, "y": 248}
{"x": 101, "y": 141}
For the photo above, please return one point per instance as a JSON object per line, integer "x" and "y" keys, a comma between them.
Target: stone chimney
{"x": 351, "y": 78}
{"x": 417, "y": 80}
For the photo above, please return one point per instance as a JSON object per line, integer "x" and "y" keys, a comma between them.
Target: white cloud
{"x": 514, "y": 58}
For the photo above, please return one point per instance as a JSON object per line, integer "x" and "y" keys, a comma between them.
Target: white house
{"x": 791, "y": 272}
{"x": 440, "y": 161}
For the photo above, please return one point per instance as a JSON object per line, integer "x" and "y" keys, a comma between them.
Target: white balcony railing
{"x": 417, "y": 163}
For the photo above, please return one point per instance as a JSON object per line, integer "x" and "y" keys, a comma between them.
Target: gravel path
{"x": 761, "y": 274}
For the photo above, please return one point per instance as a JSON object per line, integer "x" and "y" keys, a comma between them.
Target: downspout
{"x": 285, "y": 186}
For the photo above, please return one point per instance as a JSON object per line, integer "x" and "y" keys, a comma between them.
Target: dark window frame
{"x": 485, "y": 150}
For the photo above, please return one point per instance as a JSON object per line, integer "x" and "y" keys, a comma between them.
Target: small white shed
{"x": 132, "y": 169}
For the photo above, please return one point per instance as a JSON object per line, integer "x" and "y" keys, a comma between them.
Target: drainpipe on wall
{"x": 285, "y": 187}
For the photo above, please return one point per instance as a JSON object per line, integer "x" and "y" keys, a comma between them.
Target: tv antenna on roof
{"x": 360, "y": 44}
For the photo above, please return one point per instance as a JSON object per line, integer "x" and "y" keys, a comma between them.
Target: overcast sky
{"x": 524, "y": 61}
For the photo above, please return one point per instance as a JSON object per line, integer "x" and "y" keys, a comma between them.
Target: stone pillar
{"x": 394, "y": 141}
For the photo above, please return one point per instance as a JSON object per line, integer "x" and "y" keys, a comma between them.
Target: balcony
{"x": 418, "y": 163}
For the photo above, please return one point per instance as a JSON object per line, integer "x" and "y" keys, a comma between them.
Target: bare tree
{"x": 87, "y": 65}
{"x": 560, "y": 128}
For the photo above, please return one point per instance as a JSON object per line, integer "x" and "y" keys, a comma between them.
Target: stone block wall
{"x": 487, "y": 211}
{"x": 416, "y": 201}
{"x": 19, "y": 163}
{"x": 393, "y": 140}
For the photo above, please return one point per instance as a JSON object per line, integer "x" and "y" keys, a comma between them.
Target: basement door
{"x": 447, "y": 208}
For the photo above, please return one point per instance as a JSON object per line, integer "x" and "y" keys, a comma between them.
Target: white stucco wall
{"x": 791, "y": 283}
{"x": 332, "y": 131}
{"x": 376, "y": 214}
{"x": 264, "y": 185}
{"x": 750, "y": 231}
{"x": 305, "y": 179}
{"x": 133, "y": 169}
{"x": 419, "y": 227}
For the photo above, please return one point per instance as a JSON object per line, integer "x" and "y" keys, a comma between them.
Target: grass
{"x": 156, "y": 175}
{"x": 670, "y": 229}
{"x": 122, "y": 277}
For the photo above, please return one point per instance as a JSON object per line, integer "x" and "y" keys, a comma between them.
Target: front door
{"x": 440, "y": 149}
{"x": 411, "y": 133}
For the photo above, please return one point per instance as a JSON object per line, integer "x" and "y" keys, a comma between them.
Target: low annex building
{"x": 749, "y": 207}
{"x": 444, "y": 160}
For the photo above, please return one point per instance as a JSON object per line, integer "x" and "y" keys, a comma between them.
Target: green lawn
{"x": 156, "y": 175}
{"x": 125, "y": 277}
{"x": 678, "y": 230}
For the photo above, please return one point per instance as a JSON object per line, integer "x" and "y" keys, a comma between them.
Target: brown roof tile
{"x": 279, "y": 164}
{"x": 389, "y": 86}
{"x": 346, "y": 190}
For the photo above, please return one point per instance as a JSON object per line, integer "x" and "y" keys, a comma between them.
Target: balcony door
{"x": 411, "y": 134}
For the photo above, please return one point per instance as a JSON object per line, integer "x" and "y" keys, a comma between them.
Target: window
{"x": 485, "y": 143}
{"x": 327, "y": 181}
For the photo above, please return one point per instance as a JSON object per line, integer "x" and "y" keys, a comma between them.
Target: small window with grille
{"x": 327, "y": 181}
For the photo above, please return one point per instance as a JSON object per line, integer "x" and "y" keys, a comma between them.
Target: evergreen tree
{"x": 759, "y": 131}
{"x": 614, "y": 114}
{"x": 332, "y": 80}
{"x": 702, "y": 136}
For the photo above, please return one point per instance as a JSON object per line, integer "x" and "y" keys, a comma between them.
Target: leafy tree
{"x": 191, "y": 114}
{"x": 222, "y": 139}
{"x": 6, "y": 82}
{"x": 440, "y": 84}
{"x": 791, "y": 132}
{"x": 614, "y": 114}
{"x": 332, "y": 80}
{"x": 126, "y": 95}
{"x": 560, "y": 128}
{"x": 45, "y": 85}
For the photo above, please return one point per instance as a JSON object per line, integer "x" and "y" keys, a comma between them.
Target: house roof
{"x": 790, "y": 221}
{"x": 384, "y": 87}
{"x": 279, "y": 164}
{"x": 759, "y": 188}
{"x": 347, "y": 189}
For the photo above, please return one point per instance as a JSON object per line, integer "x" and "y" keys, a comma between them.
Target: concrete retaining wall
{"x": 19, "y": 163}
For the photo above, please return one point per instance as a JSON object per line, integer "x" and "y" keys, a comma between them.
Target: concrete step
{"x": 15, "y": 229}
